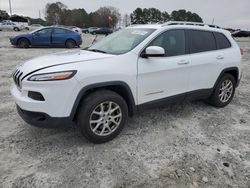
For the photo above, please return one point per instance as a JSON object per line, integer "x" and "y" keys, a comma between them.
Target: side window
{"x": 201, "y": 41}
{"x": 222, "y": 41}
{"x": 44, "y": 31}
{"x": 172, "y": 41}
{"x": 59, "y": 31}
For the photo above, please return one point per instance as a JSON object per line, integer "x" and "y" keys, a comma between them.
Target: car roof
{"x": 56, "y": 27}
{"x": 181, "y": 25}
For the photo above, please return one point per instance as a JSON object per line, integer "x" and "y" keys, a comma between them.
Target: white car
{"x": 9, "y": 26}
{"x": 76, "y": 29}
{"x": 132, "y": 69}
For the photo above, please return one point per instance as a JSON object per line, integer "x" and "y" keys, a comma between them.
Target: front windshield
{"x": 122, "y": 41}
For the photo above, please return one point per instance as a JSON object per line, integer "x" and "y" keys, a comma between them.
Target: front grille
{"x": 17, "y": 77}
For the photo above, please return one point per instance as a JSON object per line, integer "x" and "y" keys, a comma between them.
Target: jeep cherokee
{"x": 134, "y": 68}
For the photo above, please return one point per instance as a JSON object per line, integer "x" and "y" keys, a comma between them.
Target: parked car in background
{"x": 241, "y": 33}
{"x": 9, "y": 26}
{"x": 85, "y": 30}
{"x": 20, "y": 21}
{"x": 76, "y": 29}
{"x": 48, "y": 36}
{"x": 92, "y": 29}
{"x": 102, "y": 30}
{"x": 34, "y": 27}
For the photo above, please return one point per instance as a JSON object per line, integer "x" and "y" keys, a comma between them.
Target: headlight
{"x": 53, "y": 76}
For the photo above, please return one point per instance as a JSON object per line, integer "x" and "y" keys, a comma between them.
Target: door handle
{"x": 183, "y": 62}
{"x": 219, "y": 57}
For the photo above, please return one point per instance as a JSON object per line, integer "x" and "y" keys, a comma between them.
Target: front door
{"x": 161, "y": 77}
{"x": 42, "y": 37}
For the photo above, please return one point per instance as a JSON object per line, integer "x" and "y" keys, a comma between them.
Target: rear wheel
{"x": 224, "y": 91}
{"x": 102, "y": 116}
{"x": 70, "y": 44}
{"x": 16, "y": 29}
{"x": 23, "y": 43}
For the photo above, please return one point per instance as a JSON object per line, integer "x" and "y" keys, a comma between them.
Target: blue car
{"x": 48, "y": 36}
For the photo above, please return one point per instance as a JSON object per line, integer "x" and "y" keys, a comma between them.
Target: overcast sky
{"x": 227, "y": 13}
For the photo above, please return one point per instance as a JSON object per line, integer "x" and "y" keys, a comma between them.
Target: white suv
{"x": 134, "y": 68}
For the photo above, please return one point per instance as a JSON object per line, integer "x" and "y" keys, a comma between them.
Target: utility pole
{"x": 10, "y": 8}
{"x": 39, "y": 14}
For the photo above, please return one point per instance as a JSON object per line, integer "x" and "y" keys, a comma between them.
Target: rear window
{"x": 201, "y": 41}
{"x": 222, "y": 41}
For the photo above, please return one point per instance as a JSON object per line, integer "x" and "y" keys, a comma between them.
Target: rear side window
{"x": 222, "y": 41}
{"x": 60, "y": 31}
{"x": 201, "y": 41}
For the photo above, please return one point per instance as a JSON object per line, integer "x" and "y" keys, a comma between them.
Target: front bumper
{"x": 43, "y": 120}
{"x": 12, "y": 41}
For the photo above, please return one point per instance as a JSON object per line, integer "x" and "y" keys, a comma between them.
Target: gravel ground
{"x": 184, "y": 145}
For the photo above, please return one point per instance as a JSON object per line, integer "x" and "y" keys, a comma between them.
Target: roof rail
{"x": 188, "y": 23}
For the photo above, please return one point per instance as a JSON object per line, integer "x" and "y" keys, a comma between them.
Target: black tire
{"x": 90, "y": 104}
{"x": 70, "y": 43}
{"x": 23, "y": 43}
{"x": 16, "y": 29}
{"x": 215, "y": 97}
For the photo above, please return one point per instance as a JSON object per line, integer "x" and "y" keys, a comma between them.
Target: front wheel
{"x": 224, "y": 91}
{"x": 23, "y": 43}
{"x": 102, "y": 116}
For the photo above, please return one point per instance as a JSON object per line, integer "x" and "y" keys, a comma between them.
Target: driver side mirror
{"x": 153, "y": 51}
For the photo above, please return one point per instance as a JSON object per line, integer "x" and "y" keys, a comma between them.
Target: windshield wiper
{"x": 96, "y": 50}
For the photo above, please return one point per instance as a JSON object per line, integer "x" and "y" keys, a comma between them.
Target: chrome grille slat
{"x": 17, "y": 77}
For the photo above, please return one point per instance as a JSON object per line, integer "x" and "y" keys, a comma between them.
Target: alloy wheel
{"x": 105, "y": 118}
{"x": 226, "y": 91}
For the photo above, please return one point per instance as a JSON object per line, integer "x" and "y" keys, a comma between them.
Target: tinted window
{"x": 172, "y": 41}
{"x": 44, "y": 31}
{"x": 60, "y": 31}
{"x": 222, "y": 41}
{"x": 201, "y": 41}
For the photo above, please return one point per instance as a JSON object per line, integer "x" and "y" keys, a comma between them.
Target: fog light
{"x": 35, "y": 96}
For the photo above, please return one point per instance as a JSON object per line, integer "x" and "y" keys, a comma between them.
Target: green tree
{"x": 4, "y": 15}
{"x": 137, "y": 17}
{"x": 153, "y": 15}
{"x": 165, "y": 16}
{"x": 53, "y": 13}
{"x": 183, "y": 15}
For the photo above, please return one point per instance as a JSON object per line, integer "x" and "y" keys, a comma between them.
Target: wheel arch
{"x": 69, "y": 39}
{"x": 234, "y": 71}
{"x": 23, "y": 38}
{"x": 119, "y": 87}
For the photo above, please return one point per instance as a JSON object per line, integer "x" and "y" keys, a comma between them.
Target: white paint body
{"x": 149, "y": 79}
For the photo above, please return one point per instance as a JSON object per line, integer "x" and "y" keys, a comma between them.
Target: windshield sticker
{"x": 138, "y": 32}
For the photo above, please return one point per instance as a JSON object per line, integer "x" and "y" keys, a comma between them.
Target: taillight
{"x": 241, "y": 51}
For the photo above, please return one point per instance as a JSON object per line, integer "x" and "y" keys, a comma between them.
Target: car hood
{"x": 67, "y": 57}
{"x": 20, "y": 36}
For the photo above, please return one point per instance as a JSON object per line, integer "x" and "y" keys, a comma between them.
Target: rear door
{"x": 206, "y": 60}
{"x": 59, "y": 36}
{"x": 42, "y": 37}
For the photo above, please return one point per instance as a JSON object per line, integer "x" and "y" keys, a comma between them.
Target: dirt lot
{"x": 184, "y": 145}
